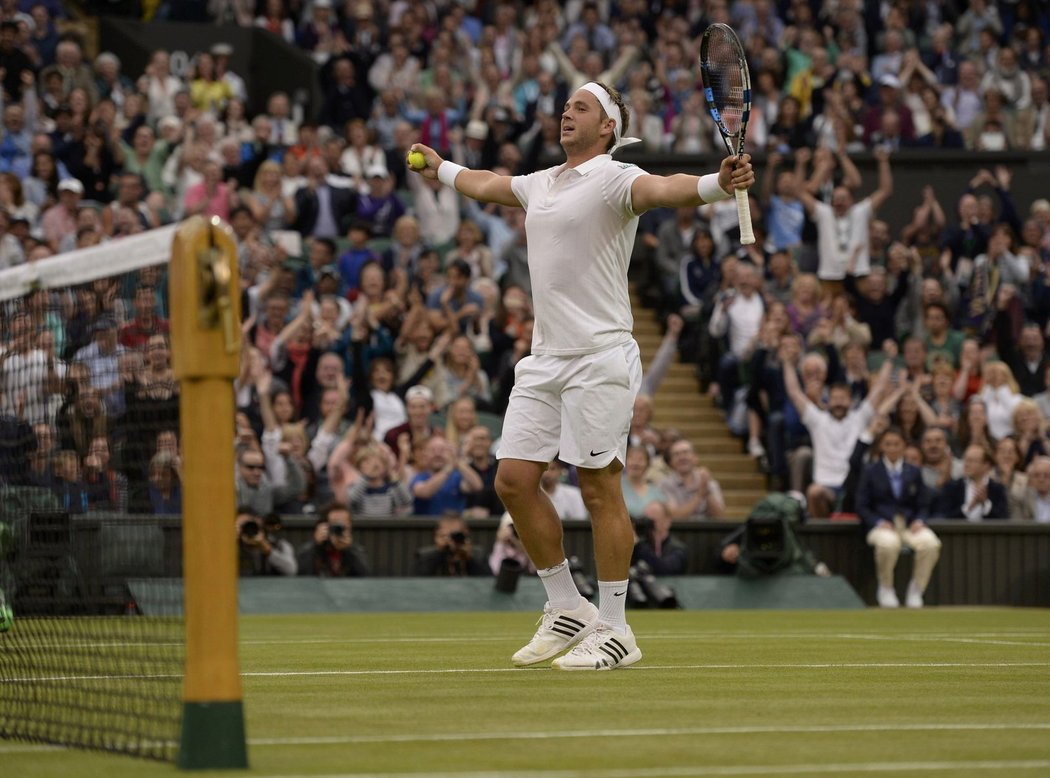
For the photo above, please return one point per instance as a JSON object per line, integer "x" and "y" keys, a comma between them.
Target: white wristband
{"x": 707, "y": 187}
{"x": 447, "y": 172}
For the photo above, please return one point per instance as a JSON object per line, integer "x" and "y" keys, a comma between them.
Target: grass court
{"x": 951, "y": 692}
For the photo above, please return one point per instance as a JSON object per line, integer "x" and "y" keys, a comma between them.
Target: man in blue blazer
{"x": 893, "y": 504}
{"x": 976, "y": 496}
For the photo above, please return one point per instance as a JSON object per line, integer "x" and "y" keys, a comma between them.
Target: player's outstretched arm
{"x": 482, "y": 185}
{"x": 681, "y": 190}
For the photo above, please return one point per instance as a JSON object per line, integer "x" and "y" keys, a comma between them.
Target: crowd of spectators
{"x": 373, "y": 299}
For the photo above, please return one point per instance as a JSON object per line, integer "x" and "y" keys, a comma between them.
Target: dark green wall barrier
{"x": 417, "y": 595}
{"x": 996, "y": 563}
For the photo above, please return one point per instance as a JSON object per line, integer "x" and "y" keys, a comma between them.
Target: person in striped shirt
{"x": 379, "y": 492}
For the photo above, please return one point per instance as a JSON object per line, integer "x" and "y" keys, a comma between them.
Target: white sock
{"x": 612, "y": 598}
{"x": 561, "y": 589}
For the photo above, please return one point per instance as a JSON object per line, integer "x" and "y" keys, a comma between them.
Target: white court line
{"x": 991, "y": 638}
{"x": 651, "y": 668}
{"x": 940, "y": 639}
{"x": 651, "y": 732}
{"x": 596, "y": 733}
{"x": 525, "y": 673}
{"x": 844, "y": 768}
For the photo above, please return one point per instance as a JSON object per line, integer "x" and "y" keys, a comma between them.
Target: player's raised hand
{"x": 736, "y": 173}
{"x": 432, "y": 158}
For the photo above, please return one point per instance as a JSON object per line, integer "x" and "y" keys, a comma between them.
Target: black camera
{"x": 643, "y": 525}
{"x": 656, "y": 594}
{"x": 579, "y": 577}
{"x": 458, "y": 538}
{"x": 336, "y": 530}
{"x": 250, "y": 528}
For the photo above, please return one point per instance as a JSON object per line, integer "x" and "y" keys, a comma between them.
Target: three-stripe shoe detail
{"x": 614, "y": 648}
{"x": 566, "y": 626}
{"x": 604, "y": 649}
{"x": 559, "y": 629}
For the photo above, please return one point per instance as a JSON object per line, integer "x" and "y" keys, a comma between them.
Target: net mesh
{"x": 90, "y": 529}
{"x": 724, "y": 78}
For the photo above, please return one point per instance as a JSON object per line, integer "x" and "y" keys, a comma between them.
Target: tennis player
{"x": 574, "y": 395}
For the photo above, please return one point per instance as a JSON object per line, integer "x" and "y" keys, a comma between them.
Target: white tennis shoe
{"x": 603, "y": 649}
{"x": 887, "y": 597}
{"x": 913, "y": 599}
{"x": 559, "y": 629}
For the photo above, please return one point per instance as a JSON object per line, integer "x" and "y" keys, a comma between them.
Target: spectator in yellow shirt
{"x": 208, "y": 94}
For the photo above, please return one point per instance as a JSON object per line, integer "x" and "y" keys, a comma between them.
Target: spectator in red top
{"x": 889, "y": 98}
{"x": 136, "y": 333}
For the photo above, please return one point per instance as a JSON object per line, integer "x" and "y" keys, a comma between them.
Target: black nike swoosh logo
{"x": 619, "y": 594}
{"x": 598, "y": 453}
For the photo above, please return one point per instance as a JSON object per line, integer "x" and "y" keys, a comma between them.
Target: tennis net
{"x": 90, "y": 502}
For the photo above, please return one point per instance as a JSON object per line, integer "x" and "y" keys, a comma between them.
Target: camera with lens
{"x": 336, "y": 530}
{"x": 585, "y": 585}
{"x": 458, "y": 538}
{"x": 250, "y": 528}
{"x": 643, "y": 526}
{"x": 656, "y": 594}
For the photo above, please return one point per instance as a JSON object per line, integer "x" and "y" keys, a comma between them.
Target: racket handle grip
{"x": 743, "y": 212}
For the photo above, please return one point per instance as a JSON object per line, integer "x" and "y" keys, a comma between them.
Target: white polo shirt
{"x": 833, "y": 441}
{"x": 580, "y": 227}
{"x": 838, "y": 238}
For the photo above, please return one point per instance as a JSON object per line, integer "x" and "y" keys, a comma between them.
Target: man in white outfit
{"x": 573, "y": 396}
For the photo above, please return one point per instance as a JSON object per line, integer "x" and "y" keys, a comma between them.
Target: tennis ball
{"x": 416, "y": 160}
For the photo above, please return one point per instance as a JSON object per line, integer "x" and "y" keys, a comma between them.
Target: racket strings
{"x": 725, "y": 81}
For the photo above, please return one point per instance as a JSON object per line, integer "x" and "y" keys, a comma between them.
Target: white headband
{"x": 613, "y": 112}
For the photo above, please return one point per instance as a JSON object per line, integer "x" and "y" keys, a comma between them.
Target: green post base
{"x": 212, "y": 736}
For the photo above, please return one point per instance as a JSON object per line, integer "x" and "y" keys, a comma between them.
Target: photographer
{"x": 332, "y": 552}
{"x": 508, "y": 546}
{"x": 452, "y": 553}
{"x": 655, "y": 545}
{"x": 260, "y": 549}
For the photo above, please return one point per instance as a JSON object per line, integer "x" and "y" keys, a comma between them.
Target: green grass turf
{"x": 932, "y": 693}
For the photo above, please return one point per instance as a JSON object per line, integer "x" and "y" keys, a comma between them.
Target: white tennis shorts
{"x": 578, "y": 408}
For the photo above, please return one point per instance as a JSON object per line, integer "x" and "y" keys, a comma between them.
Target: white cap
{"x": 890, "y": 80}
{"x": 477, "y": 129}
{"x": 71, "y": 185}
{"x": 419, "y": 391}
{"x": 169, "y": 121}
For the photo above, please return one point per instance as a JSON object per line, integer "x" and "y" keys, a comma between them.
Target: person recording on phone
{"x": 508, "y": 546}
{"x": 332, "y": 553}
{"x": 261, "y": 549}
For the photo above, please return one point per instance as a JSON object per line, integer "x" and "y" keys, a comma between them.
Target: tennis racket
{"x": 727, "y": 89}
